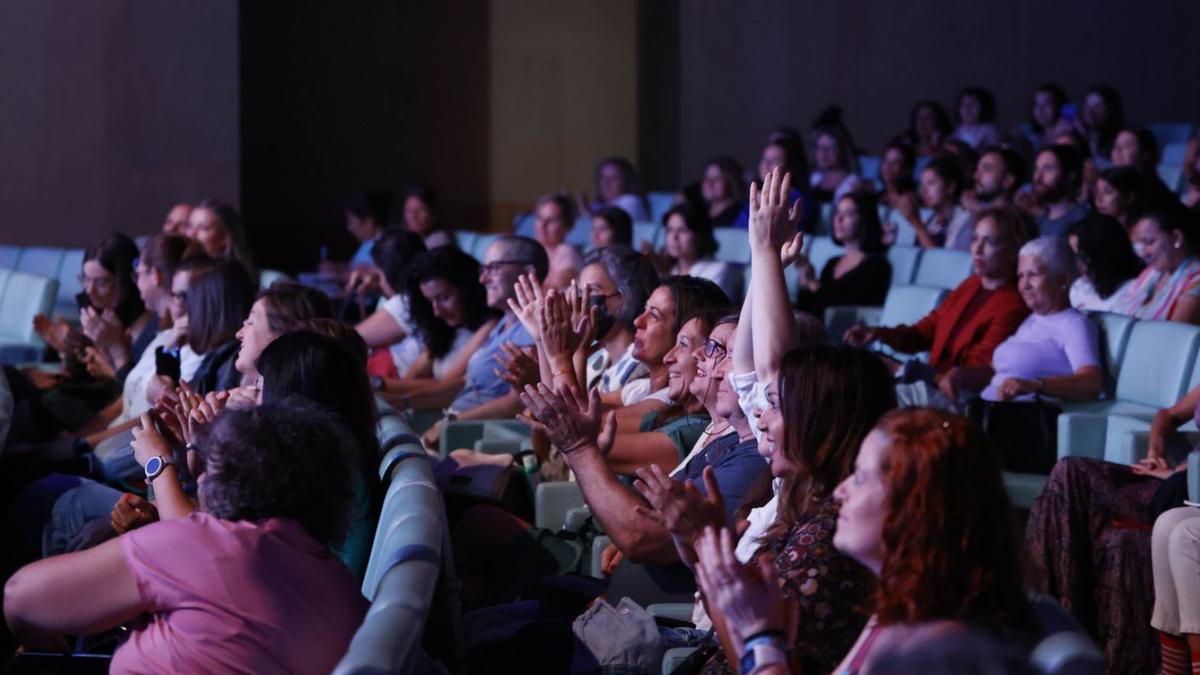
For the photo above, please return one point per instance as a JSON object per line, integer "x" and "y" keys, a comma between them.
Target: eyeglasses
{"x": 494, "y": 266}
{"x": 180, "y": 296}
{"x": 101, "y": 282}
{"x": 713, "y": 348}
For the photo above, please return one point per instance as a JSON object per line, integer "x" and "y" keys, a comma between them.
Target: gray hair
{"x": 1054, "y": 253}
{"x": 524, "y": 248}
{"x": 631, "y": 273}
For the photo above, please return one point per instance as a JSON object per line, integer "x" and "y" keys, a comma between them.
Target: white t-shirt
{"x": 1051, "y": 345}
{"x": 1085, "y": 298}
{"x": 606, "y": 377}
{"x": 133, "y": 395}
{"x": 397, "y": 308}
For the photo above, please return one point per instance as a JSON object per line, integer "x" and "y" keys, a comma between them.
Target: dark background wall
{"x": 111, "y": 110}
{"x": 747, "y": 68}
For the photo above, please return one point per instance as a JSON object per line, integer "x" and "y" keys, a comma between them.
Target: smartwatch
{"x": 156, "y": 466}
{"x": 762, "y": 650}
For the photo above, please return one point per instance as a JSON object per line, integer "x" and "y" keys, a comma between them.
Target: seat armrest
{"x": 551, "y": 502}
{"x": 1082, "y": 435}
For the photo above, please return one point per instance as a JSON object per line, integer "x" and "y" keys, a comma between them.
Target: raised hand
{"x": 518, "y": 367}
{"x": 567, "y": 419}
{"x": 582, "y": 317}
{"x": 772, "y": 224}
{"x": 559, "y": 337}
{"x": 527, "y": 306}
{"x": 792, "y": 250}
{"x": 678, "y": 506}
{"x": 747, "y": 595}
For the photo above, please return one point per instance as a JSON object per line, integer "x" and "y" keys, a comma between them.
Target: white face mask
{"x": 1139, "y": 249}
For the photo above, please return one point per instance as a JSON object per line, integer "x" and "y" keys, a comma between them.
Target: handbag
{"x": 1023, "y": 433}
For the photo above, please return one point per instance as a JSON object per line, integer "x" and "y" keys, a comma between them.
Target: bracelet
{"x": 565, "y": 372}
{"x": 767, "y": 634}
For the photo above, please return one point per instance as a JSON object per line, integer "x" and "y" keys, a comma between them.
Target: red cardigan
{"x": 981, "y": 333}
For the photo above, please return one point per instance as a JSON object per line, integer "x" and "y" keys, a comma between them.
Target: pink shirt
{"x": 247, "y": 597}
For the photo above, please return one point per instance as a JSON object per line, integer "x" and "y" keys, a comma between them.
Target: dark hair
{"x": 949, "y": 546}
{"x": 237, "y": 247}
{"x": 373, "y": 204}
{"x": 325, "y": 371}
{"x": 459, "y": 270}
{"x": 829, "y": 123}
{"x": 631, "y": 273}
{"x": 564, "y": 204}
{"x": 1129, "y": 182}
{"x": 870, "y": 230}
{"x": 987, "y": 102}
{"x": 692, "y": 293}
{"x": 1070, "y": 162}
{"x": 950, "y": 171}
{"x": 629, "y": 175}
{"x": 1060, "y": 99}
{"x": 1116, "y": 111}
{"x": 619, "y": 222}
{"x": 732, "y": 172}
{"x": 908, "y": 156}
{"x": 792, "y": 144}
{"x": 709, "y": 318}
{"x": 1147, "y": 147}
{"x": 393, "y": 252}
{"x": 1172, "y": 217}
{"x": 218, "y": 301}
{"x": 282, "y": 459}
{"x": 116, "y": 253}
{"x": 288, "y": 303}
{"x": 1103, "y": 248}
{"x": 831, "y": 397}
{"x": 343, "y": 333}
{"x": 940, "y": 120}
{"x": 1013, "y": 164}
{"x": 429, "y": 197}
{"x": 163, "y": 253}
{"x": 527, "y": 250}
{"x": 1016, "y": 224}
{"x": 699, "y": 223}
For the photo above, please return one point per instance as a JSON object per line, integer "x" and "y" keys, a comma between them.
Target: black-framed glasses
{"x": 713, "y": 348}
{"x": 494, "y": 266}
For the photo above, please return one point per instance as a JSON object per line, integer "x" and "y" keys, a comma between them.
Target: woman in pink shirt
{"x": 246, "y": 584}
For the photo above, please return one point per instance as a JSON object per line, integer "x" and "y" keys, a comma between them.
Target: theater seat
{"x": 68, "y": 285}
{"x": 9, "y": 256}
{"x": 869, "y": 166}
{"x": 905, "y": 305}
{"x": 1171, "y": 132}
{"x": 646, "y": 233}
{"x": 522, "y": 225}
{"x": 821, "y": 250}
{"x": 480, "y": 245}
{"x": 904, "y": 261}
{"x": 552, "y": 500}
{"x": 268, "y": 277}
{"x": 1193, "y": 477}
{"x": 660, "y": 203}
{"x": 942, "y": 268}
{"x": 42, "y": 261}
{"x": 24, "y": 296}
{"x": 1114, "y": 337}
{"x": 733, "y": 245}
{"x": 465, "y": 240}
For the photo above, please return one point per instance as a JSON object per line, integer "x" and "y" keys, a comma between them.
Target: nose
{"x": 640, "y": 322}
{"x": 671, "y": 356}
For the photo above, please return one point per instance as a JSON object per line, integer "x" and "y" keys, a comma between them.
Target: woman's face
{"x": 935, "y": 192}
{"x": 610, "y": 183}
{"x": 1048, "y": 179}
{"x": 680, "y": 360}
{"x": 255, "y": 334}
{"x": 177, "y": 304}
{"x": 446, "y": 300}
{"x": 845, "y": 221}
{"x": 1095, "y": 112}
{"x": 1045, "y": 111}
{"x": 991, "y": 255}
{"x": 1126, "y": 151}
{"x": 1043, "y": 292}
{"x": 891, "y": 167}
{"x": 100, "y": 285}
{"x": 418, "y": 217}
{"x": 681, "y": 242}
{"x": 154, "y": 296}
{"x": 655, "y": 334}
{"x": 969, "y": 110}
{"x": 863, "y": 497}
{"x": 709, "y": 374}
{"x": 602, "y": 233}
{"x": 770, "y": 444}
{"x": 714, "y": 187}
{"x": 207, "y": 229}
{"x": 362, "y": 229}
{"x": 596, "y": 283}
{"x": 826, "y": 155}
{"x": 550, "y": 225}
{"x": 1109, "y": 201}
{"x": 925, "y": 124}
{"x": 1159, "y": 250}
{"x": 773, "y": 157}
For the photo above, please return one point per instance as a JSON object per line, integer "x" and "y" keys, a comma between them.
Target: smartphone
{"x": 83, "y": 300}
{"x": 166, "y": 362}
{"x": 1069, "y": 111}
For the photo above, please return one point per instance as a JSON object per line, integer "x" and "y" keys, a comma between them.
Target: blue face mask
{"x": 604, "y": 319}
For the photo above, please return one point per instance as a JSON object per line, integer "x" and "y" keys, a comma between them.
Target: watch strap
{"x": 763, "y": 651}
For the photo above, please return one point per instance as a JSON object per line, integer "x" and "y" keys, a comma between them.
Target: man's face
{"x": 499, "y": 273}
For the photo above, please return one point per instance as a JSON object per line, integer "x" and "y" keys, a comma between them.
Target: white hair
{"x": 1054, "y": 253}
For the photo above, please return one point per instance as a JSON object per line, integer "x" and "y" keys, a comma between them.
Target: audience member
{"x": 616, "y": 282}
{"x": 1176, "y": 565}
{"x": 999, "y": 173}
{"x": 1119, "y": 194}
{"x": 422, "y": 216}
{"x": 1106, "y": 263}
{"x": 785, "y": 151}
{"x": 1102, "y": 117}
{"x": 860, "y": 276}
{"x": 391, "y": 322}
{"x": 1169, "y": 287}
{"x": 554, "y": 216}
{"x": 617, "y": 187}
{"x": 367, "y": 215}
{"x": 928, "y": 127}
{"x": 1046, "y": 119}
{"x": 1057, "y": 174}
{"x": 611, "y": 226}
{"x": 947, "y": 223}
{"x": 274, "y": 496}
{"x": 722, "y": 190}
{"x": 1191, "y": 175}
{"x": 834, "y": 161}
{"x": 219, "y": 229}
{"x": 976, "y": 118}
{"x": 176, "y": 220}
{"x": 1136, "y": 148}
{"x": 690, "y": 249}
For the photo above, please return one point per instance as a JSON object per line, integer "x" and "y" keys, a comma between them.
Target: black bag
{"x": 1025, "y": 434}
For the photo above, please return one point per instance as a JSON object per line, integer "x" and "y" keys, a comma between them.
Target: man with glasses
{"x": 486, "y": 395}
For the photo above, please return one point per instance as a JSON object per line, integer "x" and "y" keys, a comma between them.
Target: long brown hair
{"x": 831, "y": 397}
{"x": 950, "y": 550}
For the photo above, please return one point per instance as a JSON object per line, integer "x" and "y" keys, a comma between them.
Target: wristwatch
{"x": 377, "y": 383}
{"x": 762, "y": 650}
{"x": 156, "y": 466}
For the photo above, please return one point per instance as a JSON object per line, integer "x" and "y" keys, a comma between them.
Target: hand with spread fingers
{"x": 527, "y": 306}
{"x": 680, "y": 507}
{"x": 518, "y": 366}
{"x": 748, "y": 596}
{"x": 772, "y": 223}
{"x": 567, "y": 419}
{"x": 560, "y": 338}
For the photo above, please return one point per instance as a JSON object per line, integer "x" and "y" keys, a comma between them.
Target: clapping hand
{"x": 680, "y": 507}
{"x": 518, "y": 367}
{"x": 560, "y": 337}
{"x": 527, "y": 306}
{"x": 567, "y": 419}
{"x": 772, "y": 224}
{"x": 102, "y": 328}
{"x": 132, "y": 512}
{"x": 148, "y": 441}
{"x": 747, "y": 595}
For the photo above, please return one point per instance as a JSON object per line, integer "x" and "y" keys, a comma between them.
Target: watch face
{"x": 154, "y": 466}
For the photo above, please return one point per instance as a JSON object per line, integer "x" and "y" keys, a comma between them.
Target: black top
{"x": 866, "y": 284}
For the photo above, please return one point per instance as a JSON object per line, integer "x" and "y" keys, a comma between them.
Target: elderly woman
{"x": 260, "y": 534}
{"x": 976, "y": 317}
{"x": 1169, "y": 287}
{"x": 1055, "y": 352}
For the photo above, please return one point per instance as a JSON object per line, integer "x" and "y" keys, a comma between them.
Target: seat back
{"x": 646, "y": 233}
{"x": 523, "y": 224}
{"x": 821, "y": 250}
{"x": 942, "y": 268}
{"x": 68, "y": 283}
{"x": 904, "y": 260}
{"x": 1171, "y": 175}
{"x": 9, "y": 255}
{"x": 1114, "y": 337}
{"x": 480, "y": 244}
{"x": 1173, "y": 154}
{"x": 660, "y": 203}
{"x": 734, "y": 245}
{"x": 465, "y": 240}
{"x": 1157, "y": 363}
{"x": 909, "y": 304}
{"x": 581, "y": 232}
{"x": 869, "y": 166}
{"x": 43, "y": 261}
{"x": 1171, "y": 132}
{"x": 268, "y": 277}
{"x": 25, "y": 296}
{"x": 1064, "y": 648}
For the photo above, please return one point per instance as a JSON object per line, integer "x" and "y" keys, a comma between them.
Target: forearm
{"x": 1074, "y": 387}
{"x": 773, "y": 318}
{"x": 639, "y": 450}
{"x": 504, "y": 407}
{"x": 437, "y": 396}
{"x": 974, "y": 378}
{"x": 615, "y": 506}
{"x": 169, "y": 497}
{"x": 743, "y": 345}
{"x": 105, "y": 417}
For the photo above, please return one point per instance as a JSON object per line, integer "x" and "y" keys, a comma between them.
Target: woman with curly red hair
{"x": 926, "y": 511}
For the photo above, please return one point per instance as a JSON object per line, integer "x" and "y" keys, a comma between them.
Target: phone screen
{"x": 83, "y": 300}
{"x": 166, "y": 362}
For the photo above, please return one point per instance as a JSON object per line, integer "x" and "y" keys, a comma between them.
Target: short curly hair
{"x": 286, "y": 459}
